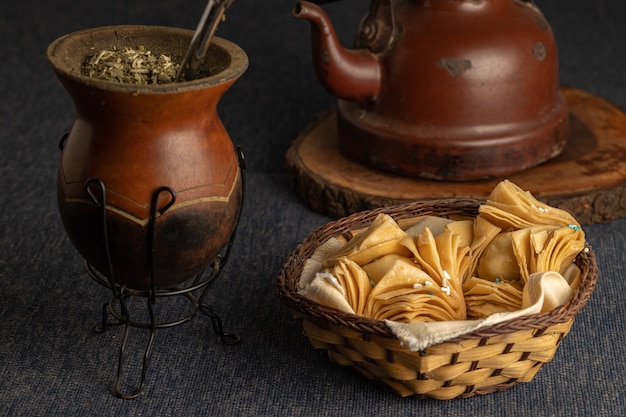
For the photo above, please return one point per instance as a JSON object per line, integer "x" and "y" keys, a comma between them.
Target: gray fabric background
{"x": 51, "y": 361}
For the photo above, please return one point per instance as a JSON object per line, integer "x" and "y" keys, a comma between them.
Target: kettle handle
{"x": 377, "y": 29}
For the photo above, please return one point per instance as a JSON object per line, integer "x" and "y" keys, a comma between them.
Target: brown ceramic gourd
{"x": 444, "y": 89}
{"x": 137, "y": 140}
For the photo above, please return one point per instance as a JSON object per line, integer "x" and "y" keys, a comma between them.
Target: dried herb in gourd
{"x": 131, "y": 66}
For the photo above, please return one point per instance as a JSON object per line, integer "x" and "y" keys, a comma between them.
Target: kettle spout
{"x": 354, "y": 75}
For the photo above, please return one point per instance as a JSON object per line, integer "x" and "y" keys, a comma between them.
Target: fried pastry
{"x": 484, "y": 297}
{"x": 498, "y": 260}
{"x": 381, "y": 238}
{"x": 483, "y": 233}
{"x": 406, "y": 293}
{"x": 511, "y": 208}
{"x": 354, "y": 281}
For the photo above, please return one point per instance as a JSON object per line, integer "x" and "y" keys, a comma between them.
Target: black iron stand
{"x": 118, "y": 307}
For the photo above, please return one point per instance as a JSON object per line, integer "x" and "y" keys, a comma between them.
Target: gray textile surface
{"x": 52, "y": 363}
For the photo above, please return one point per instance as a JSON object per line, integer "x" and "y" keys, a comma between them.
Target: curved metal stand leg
{"x": 218, "y": 328}
{"x": 122, "y": 353}
{"x": 105, "y": 323}
{"x": 97, "y": 192}
{"x": 216, "y": 321}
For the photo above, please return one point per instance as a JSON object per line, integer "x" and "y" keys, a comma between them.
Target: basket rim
{"x": 290, "y": 273}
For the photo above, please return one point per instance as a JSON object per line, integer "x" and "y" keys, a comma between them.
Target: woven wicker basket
{"x": 487, "y": 360}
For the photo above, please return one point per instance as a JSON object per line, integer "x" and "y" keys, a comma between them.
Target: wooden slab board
{"x": 588, "y": 179}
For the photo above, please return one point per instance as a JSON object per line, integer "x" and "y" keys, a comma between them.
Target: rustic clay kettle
{"x": 156, "y": 158}
{"x": 444, "y": 89}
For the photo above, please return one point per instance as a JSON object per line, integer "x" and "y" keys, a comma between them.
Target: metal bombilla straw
{"x": 199, "y": 45}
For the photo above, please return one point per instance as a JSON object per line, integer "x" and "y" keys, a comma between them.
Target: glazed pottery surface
{"x": 445, "y": 89}
{"x": 132, "y": 144}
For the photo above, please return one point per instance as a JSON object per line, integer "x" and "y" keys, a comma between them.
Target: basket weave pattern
{"x": 487, "y": 360}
